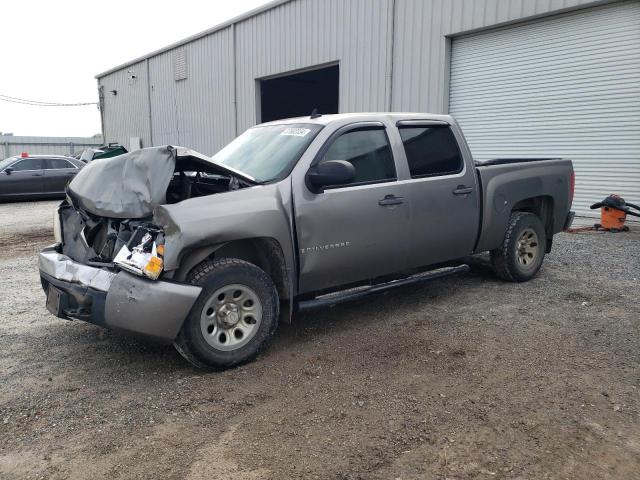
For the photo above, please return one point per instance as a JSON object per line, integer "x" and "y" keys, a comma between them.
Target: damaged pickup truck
{"x": 208, "y": 253}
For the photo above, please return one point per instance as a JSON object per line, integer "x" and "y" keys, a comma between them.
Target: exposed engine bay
{"x": 106, "y": 220}
{"x": 191, "y": 184}
{"x": 132, "y": 245}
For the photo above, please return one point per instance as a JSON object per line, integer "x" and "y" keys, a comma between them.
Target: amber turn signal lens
{"x": 154, "y": 267}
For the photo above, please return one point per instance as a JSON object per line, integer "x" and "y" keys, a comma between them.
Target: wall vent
{"x": 180, "y": 64}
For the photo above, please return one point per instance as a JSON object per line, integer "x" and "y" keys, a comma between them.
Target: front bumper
{"x": 119, "y": 301}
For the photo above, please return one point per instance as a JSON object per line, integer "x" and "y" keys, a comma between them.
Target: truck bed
{"x": 506, "y": 183}
{"x": 505, "y": 161}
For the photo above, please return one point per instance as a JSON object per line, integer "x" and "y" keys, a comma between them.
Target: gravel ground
{"x": 464, "y": 378}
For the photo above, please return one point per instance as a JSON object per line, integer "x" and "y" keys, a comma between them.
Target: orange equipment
{"x": 613, "y": 213}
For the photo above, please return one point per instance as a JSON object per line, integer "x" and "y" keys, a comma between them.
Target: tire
{"x": 523, "y": 248}
{"x": 224, "y": 329}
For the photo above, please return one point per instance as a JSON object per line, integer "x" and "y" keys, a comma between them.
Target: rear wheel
{"x": 234, "y": 317}
{"x": 523, "y": 248}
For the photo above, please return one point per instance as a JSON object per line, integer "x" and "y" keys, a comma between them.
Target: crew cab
{"x": 209, "y": 253}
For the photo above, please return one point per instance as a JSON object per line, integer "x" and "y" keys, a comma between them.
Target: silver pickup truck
{"x": 209, "y": 253}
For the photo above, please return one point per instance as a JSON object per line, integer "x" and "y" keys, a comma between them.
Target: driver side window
{"x": 27, "y": 164}
{"x": 368, "y": 150}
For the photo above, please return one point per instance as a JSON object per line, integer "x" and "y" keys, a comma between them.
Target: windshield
{"x": 267, "y": 153}
{"x": 6, "y": 162}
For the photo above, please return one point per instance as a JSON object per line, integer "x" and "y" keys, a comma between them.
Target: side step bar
{"x": 335, "y": 298}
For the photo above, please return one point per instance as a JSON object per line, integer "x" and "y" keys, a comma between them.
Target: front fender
{"x": 199, "y": 226}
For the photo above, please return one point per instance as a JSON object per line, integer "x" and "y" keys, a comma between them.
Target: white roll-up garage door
{"x": 564, "y": 86}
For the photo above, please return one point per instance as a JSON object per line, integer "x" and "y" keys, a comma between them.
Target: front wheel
{"x": 234, "y": 317}
{"x": 522, "y": 251}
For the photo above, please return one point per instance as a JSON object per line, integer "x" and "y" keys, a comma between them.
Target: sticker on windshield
{"x": 296, "y": 132}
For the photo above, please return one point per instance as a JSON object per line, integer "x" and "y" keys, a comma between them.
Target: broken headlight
{"x": 57, "y": 226}
{"x": 143, "y": 253}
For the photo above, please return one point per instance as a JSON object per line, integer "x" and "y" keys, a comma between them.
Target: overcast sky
{"x": 52, "y": 50}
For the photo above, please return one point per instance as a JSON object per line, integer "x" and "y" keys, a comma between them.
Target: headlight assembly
{"x": 57, "y": 227}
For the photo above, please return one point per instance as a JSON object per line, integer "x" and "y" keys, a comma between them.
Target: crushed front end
{"x": 106, "y": 266}
{"x": 117, "y": 286}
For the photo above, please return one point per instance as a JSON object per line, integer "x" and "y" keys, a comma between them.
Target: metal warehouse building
{"x": 523, "y": 77}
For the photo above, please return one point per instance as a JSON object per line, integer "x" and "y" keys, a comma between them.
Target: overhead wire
{"x": 38, "y": 103}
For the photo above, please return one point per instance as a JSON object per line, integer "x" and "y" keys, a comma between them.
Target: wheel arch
{"x": 543, "y": 207}
{"x": 496, "y": 217}
{"x": 264, "y": 252}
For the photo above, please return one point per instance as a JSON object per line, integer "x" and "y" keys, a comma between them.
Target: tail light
{"x": 572, "y": 187}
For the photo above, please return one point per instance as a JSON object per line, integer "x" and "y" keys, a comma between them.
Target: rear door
{"x": 58, "y": 172}
{"x": 358, "y": 231}
{"x": 442, "y": 191}
{"x": 26, "y": 178}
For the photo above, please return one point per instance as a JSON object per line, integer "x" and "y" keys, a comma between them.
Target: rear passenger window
{"x": 368, "y": 150}
{"x": 55, "y": 163}
{"x": 431, "y": 151}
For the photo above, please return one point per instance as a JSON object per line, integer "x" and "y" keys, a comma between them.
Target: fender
{"x": 196, "y": 228}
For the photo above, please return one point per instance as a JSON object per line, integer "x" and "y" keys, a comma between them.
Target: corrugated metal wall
{"x": 205, "y": 98}
{"x": 196, "y": 111}
{"x": 163, "y": 97}
{"x": 125, "y": 114}
{"x": 199, "y": 110}
{"x": 305, "y": 33}
{"x": 14, "y": 145}
{"x": 420, "y": 54}
{"x": 567, "y": 86}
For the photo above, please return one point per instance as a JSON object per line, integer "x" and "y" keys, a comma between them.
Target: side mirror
{"x": 8, "y": 170}
{"x": 331, "y": 172}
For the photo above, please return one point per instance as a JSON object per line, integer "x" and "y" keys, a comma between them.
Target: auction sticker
{"x": 296, "y": 132}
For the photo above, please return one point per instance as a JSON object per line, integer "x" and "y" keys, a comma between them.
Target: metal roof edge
{"x": 204, "y": 33}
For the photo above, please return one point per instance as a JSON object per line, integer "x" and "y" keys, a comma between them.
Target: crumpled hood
{"x": 126, "y": 186}
{"x": 133, "y": 184}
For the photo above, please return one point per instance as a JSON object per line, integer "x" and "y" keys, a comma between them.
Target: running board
{"x": 331, "y": 299}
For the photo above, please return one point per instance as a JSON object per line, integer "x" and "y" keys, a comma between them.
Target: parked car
{"x": 103, "y": 151}
{"x": 291, "y": 215}
{"x": 36, "y": 176}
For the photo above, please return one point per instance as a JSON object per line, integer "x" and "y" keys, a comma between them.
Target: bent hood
{"x": 133, "y": 184}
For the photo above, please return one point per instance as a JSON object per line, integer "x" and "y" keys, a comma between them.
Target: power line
{"x": 38, "y": 103}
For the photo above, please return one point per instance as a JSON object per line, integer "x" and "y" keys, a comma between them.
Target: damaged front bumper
{"x": 118, "y": 301}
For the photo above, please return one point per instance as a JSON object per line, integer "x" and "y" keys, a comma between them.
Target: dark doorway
{"x": 298, "y": 94}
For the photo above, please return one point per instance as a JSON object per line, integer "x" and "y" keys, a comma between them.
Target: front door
{"x": 358, "y": 231}
{"x": 443, "y": 194}
{"x": 26, "y": 178}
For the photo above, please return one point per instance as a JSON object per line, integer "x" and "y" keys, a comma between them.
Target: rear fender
{"x": 505, "y": 187}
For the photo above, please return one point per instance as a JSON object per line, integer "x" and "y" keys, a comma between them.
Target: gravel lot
{"x": 464, "y": 378}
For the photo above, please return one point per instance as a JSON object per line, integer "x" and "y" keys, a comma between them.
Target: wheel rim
{"x": 231, "y": 317}
{"x": 527, "y": 248}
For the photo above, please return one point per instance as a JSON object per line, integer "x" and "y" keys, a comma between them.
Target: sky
{"x": 52, "y": 50}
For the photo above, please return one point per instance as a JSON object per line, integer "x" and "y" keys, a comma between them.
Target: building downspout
{"x": 235, "y": 79}
{"x": 390, "y": 55}
{"x": 149, "y": 104}
{"x": 101, "y": 109}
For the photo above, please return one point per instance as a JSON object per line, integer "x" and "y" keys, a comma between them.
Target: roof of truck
{"x": 364, "y": 116}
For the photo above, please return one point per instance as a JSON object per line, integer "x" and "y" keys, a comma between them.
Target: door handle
{"x": 462, "y": 190}
{"x": 390, "y": 200}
